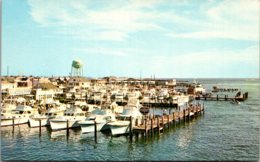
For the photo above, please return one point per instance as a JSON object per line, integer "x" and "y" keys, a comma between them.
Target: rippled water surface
{"x": 225, "y": 132}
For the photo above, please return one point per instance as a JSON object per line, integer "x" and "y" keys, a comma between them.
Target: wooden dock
{"x": 150, "y": 124}
{"x": 153, "y": 104}
{"x": 221, "y": 98}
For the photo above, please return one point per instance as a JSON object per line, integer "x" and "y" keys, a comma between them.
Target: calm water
{"x": 224, "y": 132}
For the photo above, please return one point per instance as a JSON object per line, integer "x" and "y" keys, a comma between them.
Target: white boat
{"x": 119, "y": 96}
{"x": 180, "y": 99}
{"x": 71, "y": 117}
{"x": 51, "y": 113}
{"x": 101, "y": 117}
{"x": 19, "y": 115}
{"x": 116, "y": 108}
{"x": 198, "y": 87}
{"x": 122, "y": 124}
{"x": 6, "y": 113}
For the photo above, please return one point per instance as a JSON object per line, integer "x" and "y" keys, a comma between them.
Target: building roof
{"x": 47, "y": 86}
{"x": 7, "y": 79}
{"x": 80, "y": 79}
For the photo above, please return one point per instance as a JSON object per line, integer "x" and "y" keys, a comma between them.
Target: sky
{"x": 132, "y": 38}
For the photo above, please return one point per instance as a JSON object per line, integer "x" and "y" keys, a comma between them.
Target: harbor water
{"x": 225, "y": 132}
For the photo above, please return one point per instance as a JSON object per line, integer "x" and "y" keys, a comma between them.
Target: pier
{"x": 225, "y": 98}
{"x": 153, "y": 104}
{"x": 150, "y": 124}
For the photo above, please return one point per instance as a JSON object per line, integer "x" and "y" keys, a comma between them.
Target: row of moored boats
{"x": 62, "y": 116}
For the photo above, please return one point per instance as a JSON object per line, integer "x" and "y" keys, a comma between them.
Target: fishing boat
{"x": 99, "y": 116}
{"x": 70, "y": 119}
{"x": 52, "y": 112}
{"x": 198, "y": 87}
{"x": 19, "y": 115}
{"x": 122, "y": 124}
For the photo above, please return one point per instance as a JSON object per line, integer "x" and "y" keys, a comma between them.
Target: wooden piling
{"x": 95, "y": 130}
{"x": 152, "y": 126}
{"x": 173, "y": 116}
{"x": 158, "y": 124}
{"x": 131, "y": 128}
{"x": 168, "y": 121}
{"x": 179, "y": 114}
{"x": 162, "y": 123}
{"x": 40, "y": 127}
{"x": 188, "y": 114}
{"x": 217, "y": 97}
{"x": 67, "y": 127}
{"x": 163, "y": 120}
{"x": 13, "y": 124}
{"x": 184, "y": 115}
{"x": 145, "y": 127}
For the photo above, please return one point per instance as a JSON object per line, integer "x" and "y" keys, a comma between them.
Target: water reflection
{"x": 21, "y": 131}
{"x": 185, "y": 136}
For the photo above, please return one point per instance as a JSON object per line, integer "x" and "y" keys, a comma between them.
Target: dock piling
{"x": 162, "y": 123}
{"x": 145, "y": 126}
{"x": 40, "y": 127}
{"x": 184, "y": 119}
{"x": 188, "y": 114}
{"x": 95, "y": 130}
{"x": 152, "y": 126}
{"x": 67, "y": 128}
{"x": 131, "y": 128}
{"x": 13, "y": 124}
{"x": 168, "y": 121}
{"x": 158, "y": 124}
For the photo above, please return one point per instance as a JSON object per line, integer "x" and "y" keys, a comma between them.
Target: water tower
{"x": 76, "y": 68}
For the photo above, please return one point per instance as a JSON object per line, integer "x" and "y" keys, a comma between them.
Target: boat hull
{"x": 34, "y": 122}
{"x": 87, "y": 127}
{"x": 119, "y": 128}
{"x": 62, "y": 124}
{"x": 9, "y": 121}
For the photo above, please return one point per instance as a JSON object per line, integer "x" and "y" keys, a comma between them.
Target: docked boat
{"x": 19, "y": 115}
{"x": 116, "y": 108}
{"x": 51, "y": 113}
{"x": 101, "y": 117}
{"x": 198, "y": 87}
{"x": 70, "y": 119}
{"x": 122, "y": 124}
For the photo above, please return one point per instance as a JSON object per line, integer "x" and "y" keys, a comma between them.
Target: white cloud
{"x": 103, "y": 20}
{"x": 237, "y": 20}
{"x": 110, "y": 22}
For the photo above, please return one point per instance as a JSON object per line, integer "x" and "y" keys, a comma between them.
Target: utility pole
{"x": 7, "y": 70}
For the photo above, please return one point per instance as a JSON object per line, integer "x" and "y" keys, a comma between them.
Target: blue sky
{"x": 165, "y": 38}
